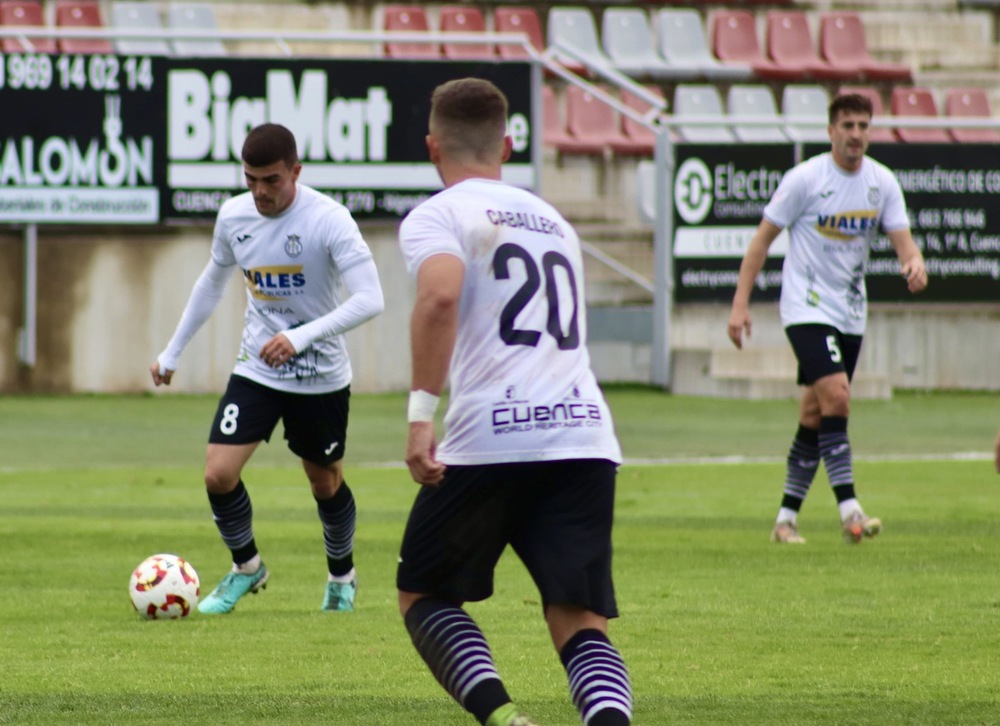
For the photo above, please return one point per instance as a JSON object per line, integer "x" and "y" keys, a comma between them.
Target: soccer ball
{"x": 164, "y": 587}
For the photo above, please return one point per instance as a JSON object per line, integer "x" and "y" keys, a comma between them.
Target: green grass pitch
{"x": 718, "y": 625}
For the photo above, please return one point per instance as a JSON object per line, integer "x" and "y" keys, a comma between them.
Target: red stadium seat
{"x": 970, "y": 103}
{"x": 28, "y": 13}
{"x": 917, "y": 102}
{"x": 518, "y": 20}
{"x": 734, "y": 39}
{"x": 408, "y": 18}
{"x": 636, "y": 139}
{"x": 842, "y": 43}
{"x": 554, "y": 132}
{"x": 465, "y": 19}
{"x": 790, "y": 44}
{"x": 590, "y": 121}
{"x": 881, "y": 133}
{"x": 81, "y": 14}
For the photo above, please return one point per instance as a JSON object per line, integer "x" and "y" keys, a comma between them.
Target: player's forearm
{"x": 750, "y": 267}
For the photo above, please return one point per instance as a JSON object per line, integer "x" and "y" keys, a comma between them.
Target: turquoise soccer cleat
{"x": 233, "y": 586}
{"x": 340, "y": 596}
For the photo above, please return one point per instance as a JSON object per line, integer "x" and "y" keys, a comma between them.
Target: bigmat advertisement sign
{"x": 139, "y": 140}
{"x": 951, "y": 192}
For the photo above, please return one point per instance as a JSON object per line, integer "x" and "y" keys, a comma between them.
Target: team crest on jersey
{"x": 293, "y": 245}
{"x": 874, "y": 196}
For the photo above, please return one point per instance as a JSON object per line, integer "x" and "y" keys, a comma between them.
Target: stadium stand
{"x": 970, "y": 103}
{"x": 700, "y": 100}
{"x": 138, "y": 16}
{"x": 881, "y": 132}
{"x": 628, "y": 42}
{"x": 755, "y": 100}
{"x": 917, "y": 102}
{"x": 510, "y": 19}
{"x": 734, "y": 38}
{"x": 593, "y": 123}
{"x": 27, "y": 13}
{"x": 843, "y": 44}
{"x": 464, "y": 19}
{"x": 681, "y": 38}
{"x": 790, "y": 44}
{"x": 810, "y": 104}
{"x": 408, "y": 18}
{"x": 194, "y": 16}
{"x": 80, "y": 14}
{"x": 574, "y": 27}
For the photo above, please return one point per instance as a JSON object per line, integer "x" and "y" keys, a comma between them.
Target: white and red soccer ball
{"x": 164, "y": 587}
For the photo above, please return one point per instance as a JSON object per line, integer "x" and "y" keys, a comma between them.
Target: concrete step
{"x": 756, "y": 374}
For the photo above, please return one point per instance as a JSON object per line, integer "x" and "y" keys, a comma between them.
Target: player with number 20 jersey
{"x": 512, "y": 397}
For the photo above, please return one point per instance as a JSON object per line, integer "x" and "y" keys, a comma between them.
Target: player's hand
{"x": 915, "y": 274}
{"x": 161, "y": 376}
{"x": 277, "y": 351}
{"x": 420, "y": 449}
{"x": 739, "y": 321}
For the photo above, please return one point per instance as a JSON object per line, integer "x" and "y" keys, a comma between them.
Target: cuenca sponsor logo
{"x": 525, "y": 417}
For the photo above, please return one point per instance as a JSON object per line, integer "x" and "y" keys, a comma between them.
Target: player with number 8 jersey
{"x": 523, "y": 313}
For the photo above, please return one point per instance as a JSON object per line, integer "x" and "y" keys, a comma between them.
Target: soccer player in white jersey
{"x": 294, "y": 247}
{"x": 832, "y": 205}
{"x": 529, "y": 455}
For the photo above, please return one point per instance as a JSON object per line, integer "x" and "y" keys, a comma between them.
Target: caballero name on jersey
{"x": 507, "y": 415}
{"x": 519, "y": 220}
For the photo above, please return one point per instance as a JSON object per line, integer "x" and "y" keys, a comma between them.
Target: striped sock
{"x": 338, "y": 515}
{"x": 458, "y": 655}
{"x": 836, "y": 451}
{"x": 803, "y": 461}
{"x": 598, "y": 679}
{"x": 233, "y": 515}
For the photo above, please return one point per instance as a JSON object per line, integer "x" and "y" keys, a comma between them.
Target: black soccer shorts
{"x": 822, "y": 350}
{"x": 556, "y": 515}
{"x": 315, "y": 423}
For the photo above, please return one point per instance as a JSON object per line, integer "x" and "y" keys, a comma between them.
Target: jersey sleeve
{"x": 428, "y": 231}
{"x": 789, "y": 199}
{"x": 344, "y": 240}
{"x": 222, "y": 249}
{"x": 894, "y": 214}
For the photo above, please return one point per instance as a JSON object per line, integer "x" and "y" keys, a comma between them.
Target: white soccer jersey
{"x": 521, "y": 387}
{"x": 833, "y": 216}
{"x": 291, "y": 264}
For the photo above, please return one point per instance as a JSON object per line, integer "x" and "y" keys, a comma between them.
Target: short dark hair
{"x": 469, "y": 115}
{"x": 269, "y": 143}
{"x": 850, "y": 103}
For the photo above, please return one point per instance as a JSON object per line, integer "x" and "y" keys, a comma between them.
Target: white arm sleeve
{"x": 205, "y": 296}
{"x": 365, "y": 303}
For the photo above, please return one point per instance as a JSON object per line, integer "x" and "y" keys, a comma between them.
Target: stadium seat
{"x": 81, "y": 14}
{"x": 408, "y": 18}
{"x": 754, "y": 100}
{"x": 28, "y": 13}
{"x": 138, "y": 16}
{"x": 842, "y": 43}
{"x": 790, "y": 44}
{"x": 880, "y": 132}
{"x": 700, "y": 100}
{"x": 507, "y": 19}
{"x": 464, "y": 19}
{"x": 681, "y": 39}
{"x": 637, "y": 140}
{"x": 970, "y": 103}
{"x": 194, "y": 16}
{"x": 555, "y": 130}
{"x": 917, "y": 102}
{"x": 592, "y": 122}
{"x": 734, "y": 39}
{"x": 574, "y": 27}
{"x": 805, "y": 109}
{"x": 628, "y": 42}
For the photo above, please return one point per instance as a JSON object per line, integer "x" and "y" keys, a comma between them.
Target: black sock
{"x": 598, "y": 679}
{"x": 233, "y": 514}
{"x": 456, "y": 651}
{"x": 337, "y": 515}
{"x": 836, "y": 451}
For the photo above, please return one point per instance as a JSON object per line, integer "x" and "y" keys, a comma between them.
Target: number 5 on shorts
{"x": 831, "y": 345}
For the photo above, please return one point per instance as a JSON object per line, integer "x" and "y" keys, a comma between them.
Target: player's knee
{"x": 218, "y": 481}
